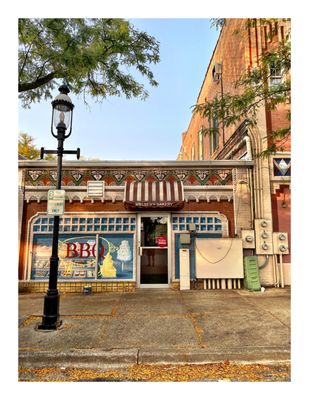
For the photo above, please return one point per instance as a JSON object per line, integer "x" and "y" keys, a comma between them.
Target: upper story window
{"x": 275, "y": 74}
{"x": 214, "y": 134}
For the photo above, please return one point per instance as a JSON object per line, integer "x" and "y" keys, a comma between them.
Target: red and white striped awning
{"x": 153, "y": 195}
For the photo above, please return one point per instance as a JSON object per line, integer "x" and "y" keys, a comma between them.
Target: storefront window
{"x": 91, "y": 254}
{"x": 202, "y": 223}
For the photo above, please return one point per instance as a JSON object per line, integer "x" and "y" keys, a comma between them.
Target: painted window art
{"x": 77, "y": 256}
{"x": 82, "y": 255}
{"x": 116, "y": 257}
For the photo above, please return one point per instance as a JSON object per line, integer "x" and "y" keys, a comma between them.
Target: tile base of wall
{"x": 77, "y": 287}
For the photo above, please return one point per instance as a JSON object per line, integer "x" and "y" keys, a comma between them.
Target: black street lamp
{"x": 61, "y": 124}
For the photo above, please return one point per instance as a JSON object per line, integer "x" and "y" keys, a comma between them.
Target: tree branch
{"x": 23, "y": 87}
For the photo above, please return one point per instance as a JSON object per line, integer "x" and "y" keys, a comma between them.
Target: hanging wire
{"x": 214, "y": 262}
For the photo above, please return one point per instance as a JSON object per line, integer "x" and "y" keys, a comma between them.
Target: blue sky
{"x": 121, "y": 129}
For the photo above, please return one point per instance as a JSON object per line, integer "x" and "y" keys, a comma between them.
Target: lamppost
{"x": 61, "y": 128}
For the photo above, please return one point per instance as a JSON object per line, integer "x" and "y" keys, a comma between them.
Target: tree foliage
{"x": 94, "y": 56}
{"x": 252, "y": 90}
{"x": 27, "y": 148}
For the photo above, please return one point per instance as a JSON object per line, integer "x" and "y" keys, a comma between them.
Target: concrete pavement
{"x": 157, "y": 326}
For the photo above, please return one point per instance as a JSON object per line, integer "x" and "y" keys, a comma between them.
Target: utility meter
{"x": 263, "y": 236}
{"x": 248, "y": 239}
{"x": 281, "y": 243}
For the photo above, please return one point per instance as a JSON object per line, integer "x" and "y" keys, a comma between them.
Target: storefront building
{"x": 128, "y": 225}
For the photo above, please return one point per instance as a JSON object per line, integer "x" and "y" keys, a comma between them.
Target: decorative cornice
{"x": 116, "y": 193}
{"x": 137, "y": 164}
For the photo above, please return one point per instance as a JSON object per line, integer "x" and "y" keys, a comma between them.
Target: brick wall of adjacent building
{"x": 238, "y": 50}
{"x": 230, "y": 51}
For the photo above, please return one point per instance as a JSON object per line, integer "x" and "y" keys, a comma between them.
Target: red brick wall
{"x": 282, "y": 215}
{"x": 231, "y": 52}
{"x": 238, "y": 49}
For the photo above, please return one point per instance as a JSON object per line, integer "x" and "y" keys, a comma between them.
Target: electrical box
{"x": 252, "y": 274}
{"x": 248, "y": 239}
{"x": 184, "y": 238}
{"x": 218, "y": 258}
{"x": 263, "y": 236}
{"x": 281, "y": 244}
{"x": 192, "y": 227}
{"x": 184, "y": 269}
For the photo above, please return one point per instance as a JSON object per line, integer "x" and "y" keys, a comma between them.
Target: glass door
{"x": 153, "y": 251}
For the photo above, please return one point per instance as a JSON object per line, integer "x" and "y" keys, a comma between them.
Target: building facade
{"x": 190, "y": 223}
{"x": 238, "y": 51}
{"x": 126, "y": 223}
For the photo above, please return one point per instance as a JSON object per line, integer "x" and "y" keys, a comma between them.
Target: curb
{"x": 102, "y": 359}
{"x": 202, "y": 356}
{"x": 82, "y": 358}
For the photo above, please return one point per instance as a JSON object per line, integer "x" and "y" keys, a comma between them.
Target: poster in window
{"x": 79, "y": 258}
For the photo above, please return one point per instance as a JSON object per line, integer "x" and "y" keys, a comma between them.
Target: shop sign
{"x": 55, "y": 202}
{"x": 162, "y": 241}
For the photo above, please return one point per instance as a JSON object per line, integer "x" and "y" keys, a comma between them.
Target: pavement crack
{"x": 198, "y": 330}
{"x": 267, "y": 311}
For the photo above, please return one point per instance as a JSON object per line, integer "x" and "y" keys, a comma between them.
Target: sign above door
{"x": 154, "y": 195}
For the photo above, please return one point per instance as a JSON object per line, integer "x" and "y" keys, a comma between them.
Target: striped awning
{"x": 154, "y": 195}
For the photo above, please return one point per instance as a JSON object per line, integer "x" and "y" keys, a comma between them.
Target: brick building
{"x": 126, "y": 224}
{"x": 189, "y": 223}
{"x": 238, "y": 50}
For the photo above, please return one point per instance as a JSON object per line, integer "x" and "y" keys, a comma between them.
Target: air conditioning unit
{"x": 217, "y": 72}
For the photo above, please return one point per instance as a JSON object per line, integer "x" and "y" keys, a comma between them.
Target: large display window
{"x": 96, "y": 247}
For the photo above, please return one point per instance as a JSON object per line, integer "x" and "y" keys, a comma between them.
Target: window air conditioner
{"x": 217, "y": 72}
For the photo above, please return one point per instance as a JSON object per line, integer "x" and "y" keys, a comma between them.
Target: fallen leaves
{"x": 224, "y": 371}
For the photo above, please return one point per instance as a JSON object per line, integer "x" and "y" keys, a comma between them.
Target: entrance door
{"x": 153, "y": 266}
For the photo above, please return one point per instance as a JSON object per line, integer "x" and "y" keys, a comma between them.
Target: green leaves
{"x": 94, "y": 56}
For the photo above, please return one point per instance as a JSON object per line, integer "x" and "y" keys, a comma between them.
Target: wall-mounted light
{"x": 284, "y": 203}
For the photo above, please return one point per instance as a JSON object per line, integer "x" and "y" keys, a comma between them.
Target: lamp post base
{"x": 50, "y": 320}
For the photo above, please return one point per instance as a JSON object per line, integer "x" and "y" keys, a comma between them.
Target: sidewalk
{"x": 158, "y": 326}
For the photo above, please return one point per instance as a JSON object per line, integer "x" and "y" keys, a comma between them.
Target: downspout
{"x": 250, "y": 180}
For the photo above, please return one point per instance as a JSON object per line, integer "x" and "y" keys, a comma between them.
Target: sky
{"x": 134, "y": 129}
